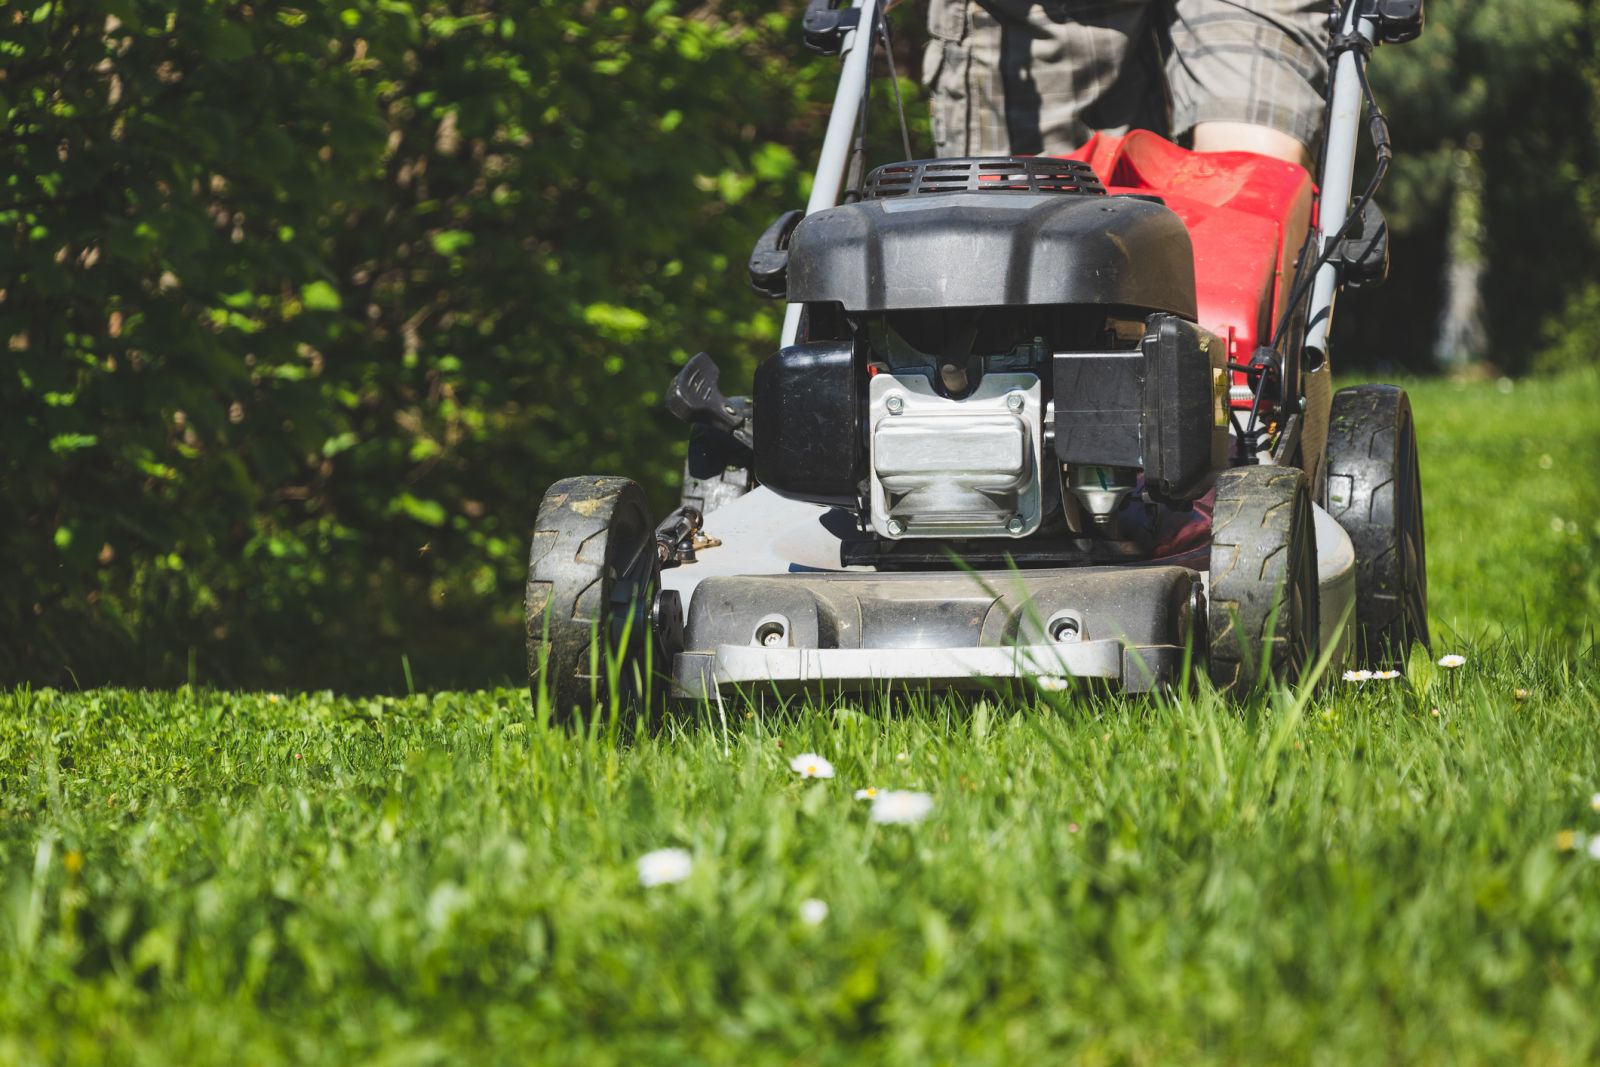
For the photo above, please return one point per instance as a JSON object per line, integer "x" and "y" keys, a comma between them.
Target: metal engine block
{"x": 955, "y": 468}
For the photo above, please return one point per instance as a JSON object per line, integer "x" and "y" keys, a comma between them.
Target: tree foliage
{"x": 306, "y": 306}
{"x": 1506, "y": 92}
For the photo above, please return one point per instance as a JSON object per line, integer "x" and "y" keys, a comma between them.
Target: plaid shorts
{"x": 1040, "y": 76}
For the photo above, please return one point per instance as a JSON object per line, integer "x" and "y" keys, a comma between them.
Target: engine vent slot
{"x": 983, "y": 174}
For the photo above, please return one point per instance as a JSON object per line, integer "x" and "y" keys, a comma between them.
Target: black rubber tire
{"x": 592, "y": 568}
{"x": 1375, "y": 493}
{"x": 1263, "y": 615}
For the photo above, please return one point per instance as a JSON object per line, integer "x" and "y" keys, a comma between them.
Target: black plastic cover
{"x": 1163, "y": 408}
{"x": 809, "y": 436}
{"x": 1364, "y": 255}
{"x": 826, "y": 22}
{"x": 983, "y": 174}
{"x": 769, "y": 259}
{"x": 994, "y": 249}
{"x": 1399, "y": 21}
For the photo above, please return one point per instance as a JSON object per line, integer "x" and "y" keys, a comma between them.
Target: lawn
{"x": 1387, "y": 872}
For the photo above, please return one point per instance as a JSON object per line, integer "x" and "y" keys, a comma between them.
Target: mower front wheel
{"x": 1375, "y": 493}
{"x": 593, "y": 574}
{"x": 1263, "y": 609}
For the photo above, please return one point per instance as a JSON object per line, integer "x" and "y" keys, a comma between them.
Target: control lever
{"x": 680, "y": 536}
{"x": 826, "y": 22}
{"x": 695, "y": 398}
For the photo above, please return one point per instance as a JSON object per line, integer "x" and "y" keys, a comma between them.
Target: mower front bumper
{"x": 854, "y": 669}
{"x": 1124, "y": 627}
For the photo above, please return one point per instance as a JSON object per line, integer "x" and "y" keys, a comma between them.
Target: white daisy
{"x": 1452, "y": 661}
{"x": 1594, "y": 802}
{"x": 811, "y": 765}
{"x": 1385, "y": 676}
{"x": 813, "y": 911}
{"x": 664, "y": 866}
{"x": 870, "y": 792}
{"x": 1358, "y": 676}
{"x": 901, "y": 807}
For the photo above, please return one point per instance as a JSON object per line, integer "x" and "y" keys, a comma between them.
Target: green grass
{"x": 199, "y": 877}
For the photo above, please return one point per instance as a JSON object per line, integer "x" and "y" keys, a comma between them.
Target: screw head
{"x": 896, "y": 527}
{"x": 895, "y": 404}
{"x": 1064, "y": 631}
{"x": 1015, "y": 525}
{"x": 1014, "y": 401}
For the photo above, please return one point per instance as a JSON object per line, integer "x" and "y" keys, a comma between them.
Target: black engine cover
{"x": 994, "y": 249}
{"x": 1163, "y": 408}
{"x": 809, "y": 422}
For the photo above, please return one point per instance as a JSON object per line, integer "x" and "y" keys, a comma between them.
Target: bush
{"x": 306, "y": 306}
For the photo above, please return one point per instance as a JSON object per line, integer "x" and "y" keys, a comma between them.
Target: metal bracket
{"x": 825, "y": 25}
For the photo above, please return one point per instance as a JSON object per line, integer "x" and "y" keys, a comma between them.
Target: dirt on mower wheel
{"x": 593, "y": 573}
{"x": 1262, "y": 604}
{"x": 1375, "y": 493}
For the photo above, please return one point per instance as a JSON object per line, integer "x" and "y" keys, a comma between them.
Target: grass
{"x": 200, "y": 877}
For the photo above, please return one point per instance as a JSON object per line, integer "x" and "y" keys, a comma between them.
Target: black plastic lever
{"x": 769, "y": 260}
{"x": 825, "y": 24}
{"x": 1363, "y": 256}
{"x": 695, "y": 398}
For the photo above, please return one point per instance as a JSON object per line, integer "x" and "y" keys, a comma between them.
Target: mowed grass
{"x": 1368, "y": 874}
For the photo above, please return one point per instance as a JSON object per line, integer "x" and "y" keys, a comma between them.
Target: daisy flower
{"x": 1385, "y": 676}
{"x": 664, "y": 866}
{"x": 1358, "y": 676}
{"x": 1452, "y": 661}
{"x": 813, "y": 911}
{"x": 811, "y": 765}
{"x": 897, "y": 807}
{"x": 1594, "y": 802}
{"x": 871, "y": 792}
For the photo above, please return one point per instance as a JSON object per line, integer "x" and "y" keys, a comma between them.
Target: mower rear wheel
{"x": 593, "y": 572}
{"x": 1263, "y": 610}
{"x": 1375, "y": 493}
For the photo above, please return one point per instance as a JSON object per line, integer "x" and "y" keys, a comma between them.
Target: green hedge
{"x": 307, "y": 305}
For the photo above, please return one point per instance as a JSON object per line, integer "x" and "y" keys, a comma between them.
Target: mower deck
{"x": 770, "y": 609}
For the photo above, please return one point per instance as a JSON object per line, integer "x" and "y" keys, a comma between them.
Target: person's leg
{"x": 1248, "y": 75}
{"x": 1249, "y": 137}
{"x": 1030, "y": 77}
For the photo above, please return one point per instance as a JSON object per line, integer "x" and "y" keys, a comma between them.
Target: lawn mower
{"x": 1034, "y": 420}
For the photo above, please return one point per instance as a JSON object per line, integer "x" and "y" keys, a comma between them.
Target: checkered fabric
{"x": 1040, "y": 76}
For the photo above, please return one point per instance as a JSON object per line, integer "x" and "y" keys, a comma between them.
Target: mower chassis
{"x": 770, "y": 609}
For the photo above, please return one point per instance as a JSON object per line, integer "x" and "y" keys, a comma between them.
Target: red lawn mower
{"x": 1038, "y": 420}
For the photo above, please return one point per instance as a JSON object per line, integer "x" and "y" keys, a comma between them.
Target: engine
{"x": 1006, "y": 350}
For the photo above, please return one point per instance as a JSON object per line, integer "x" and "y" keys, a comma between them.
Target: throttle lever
{"x": 695, "y": 398}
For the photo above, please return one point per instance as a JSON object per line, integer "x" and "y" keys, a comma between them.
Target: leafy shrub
{"x": 306, "y": 306}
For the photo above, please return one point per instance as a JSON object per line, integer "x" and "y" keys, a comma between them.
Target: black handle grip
{"x": 769, "y": 260}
